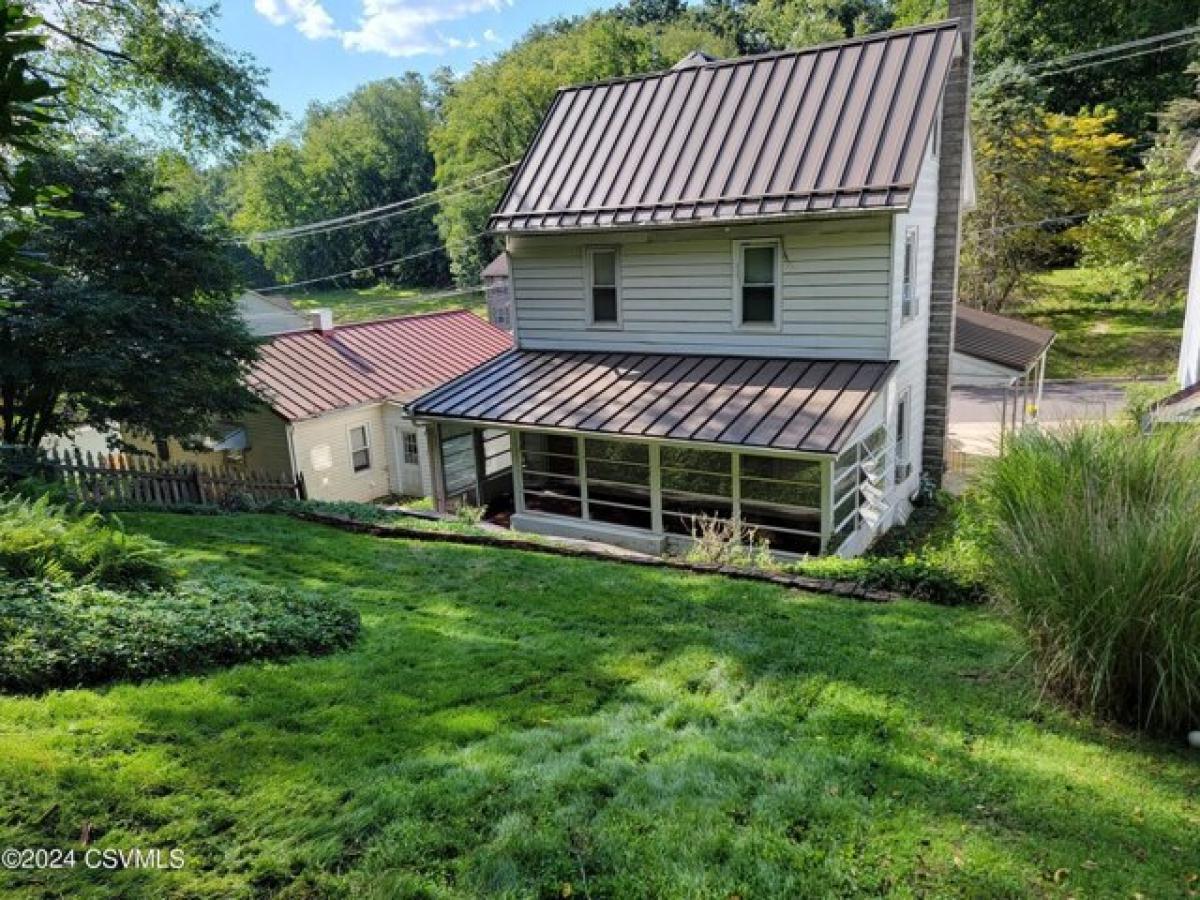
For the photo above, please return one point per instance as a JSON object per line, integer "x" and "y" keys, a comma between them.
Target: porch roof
{"x": 810, "y": 405}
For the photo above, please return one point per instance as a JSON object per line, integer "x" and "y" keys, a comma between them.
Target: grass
{"x": 1101, "y": 334}
{"x": 382, "y": 301}
{"x": 1097, "y": 555}
{"x": 517, "y": 725}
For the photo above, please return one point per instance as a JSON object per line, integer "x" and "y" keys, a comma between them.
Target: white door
{"x": 408, "y": 461}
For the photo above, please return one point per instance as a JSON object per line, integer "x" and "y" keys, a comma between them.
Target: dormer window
{"x": 908, "y": 284}
{"x": 604, "y": 295}
{"x": 757, "y": 283}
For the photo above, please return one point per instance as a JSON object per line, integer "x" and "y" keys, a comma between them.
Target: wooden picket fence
{"x": 121, "y": 478}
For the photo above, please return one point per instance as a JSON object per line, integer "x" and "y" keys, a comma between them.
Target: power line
{"x": 1181, "y": 193}
{"x": 361, "y": 269}
{"x": 1114, "y": 48}
{"x": 419, "y": 298}
{"x": 379, "y": 213}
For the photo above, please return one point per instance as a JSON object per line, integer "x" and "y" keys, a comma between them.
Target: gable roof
{"x": 307, "y": 373}
{"x": 834, "y": 127}
{"x": 1011, "y": 343}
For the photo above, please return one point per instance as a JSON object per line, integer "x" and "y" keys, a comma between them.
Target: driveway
{"x": 975, "y": 411}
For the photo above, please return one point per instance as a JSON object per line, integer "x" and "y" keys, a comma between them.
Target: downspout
{"x": 947, "y": 234}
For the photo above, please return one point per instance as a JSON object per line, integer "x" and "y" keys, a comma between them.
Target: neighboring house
{"x": 996, "y": 351}
{"x": 268, "y": 314}
{"x": 497, "y": 288}
{"x": 333, "y": 402}
{"x": 1184, "y": 405}
{"x": 733, "y": 288}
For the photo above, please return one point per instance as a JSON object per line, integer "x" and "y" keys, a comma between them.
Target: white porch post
{"x": 514, "y": 449}
{"x": 656, "y": 517}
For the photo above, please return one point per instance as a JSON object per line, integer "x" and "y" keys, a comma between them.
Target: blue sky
{"x": 322, "y": 49}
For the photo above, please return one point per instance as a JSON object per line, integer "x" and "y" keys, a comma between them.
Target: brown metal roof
{"x": 999, "y": 339}
{"x": 307, "y": 373}
{"x": 780, "y": 404}
{"x": 840, "y": 126}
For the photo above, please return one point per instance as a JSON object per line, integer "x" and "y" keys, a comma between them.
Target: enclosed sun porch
{"x": 639, "y": 450}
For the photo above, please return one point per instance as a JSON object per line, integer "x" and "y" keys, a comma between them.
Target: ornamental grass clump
{"x": 1093, "y": 544}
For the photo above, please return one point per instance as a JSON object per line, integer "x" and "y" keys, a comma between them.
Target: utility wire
{"x": 1114, "y": 48}
{"x": 361, "y": 269}
{"x": 366, "y": 216}
{"x": 418, "y": 298}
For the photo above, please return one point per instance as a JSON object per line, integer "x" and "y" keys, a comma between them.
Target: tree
{"x": 133, "y": 321}
{"x": 1147, "y": 233}
{"x": 1038, "y": 175}
{"x": 800, "y": 23}
{"x": 364, "y": 151}
{"x": 115, "y": 59}
{"x": 1025, "y": 31}
{"x": 28, "y": 105}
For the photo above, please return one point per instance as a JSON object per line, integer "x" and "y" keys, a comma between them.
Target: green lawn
{"x": 514, "y": 724}
{"x": 1099, "y": 334}
{"x": 381, "y": 301}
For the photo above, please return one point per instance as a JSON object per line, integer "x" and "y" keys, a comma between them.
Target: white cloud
{"x": 310, "y": 18}
{"x": 405, "y": 28}
{"x": 390, "y": 27}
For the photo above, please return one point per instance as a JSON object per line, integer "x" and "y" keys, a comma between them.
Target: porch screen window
{"x": 695, "y": 483}
{"x": 550, "y": 474}
{"x": 908, "y": 289}
{"x": 618, "y": 482}
{"x": 602, "y": 264}
{"x": 781, "y": 501}
{"x": 360, "y": 448}
{"x": 758, "y": 283}
{"x": 859, "y": 486}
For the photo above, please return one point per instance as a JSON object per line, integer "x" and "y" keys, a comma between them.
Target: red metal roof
{"x": 782, "y": 404}
{"x": 999, "y": 339}
{"x": 839, "y": 126}
{"x": 306, "y": 373}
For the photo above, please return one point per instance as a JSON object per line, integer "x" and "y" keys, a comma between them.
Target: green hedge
{"x": 55, "y": 636}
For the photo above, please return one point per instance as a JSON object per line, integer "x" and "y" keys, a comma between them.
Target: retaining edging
{"x": 847, "y": 589}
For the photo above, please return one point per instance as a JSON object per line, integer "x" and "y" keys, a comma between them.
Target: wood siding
{"x": 678, "y": 294}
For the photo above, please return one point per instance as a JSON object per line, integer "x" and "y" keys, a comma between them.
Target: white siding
{"x": 969, "y": 370}
{"x": 910, "y": 339}
{"x": 677, "y": 291}
{"x": 322, "y": 452}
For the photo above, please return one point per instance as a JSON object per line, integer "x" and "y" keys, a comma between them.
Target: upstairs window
{"x": 360, "y": 448}
{"x": 758, "y": 282}
{"x": 603, "y": 291}
{"x": 908, "y": 288}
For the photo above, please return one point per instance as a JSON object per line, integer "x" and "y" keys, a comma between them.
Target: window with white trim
{"x": 758, "y": 283}
{"x": 411, "y": 456}
{"x": 604, "y": 293}
{"x": 908, "y": 289}
{"x": 903, "y": 432}
{"x": 360, "y": 447}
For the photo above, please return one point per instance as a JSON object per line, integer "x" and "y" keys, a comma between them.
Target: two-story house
{"x": 722, "y": 281}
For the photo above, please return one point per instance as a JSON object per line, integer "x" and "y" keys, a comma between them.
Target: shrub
{"x": 721, "y": 542}
{"x": 1094, "y": 549}
{"x": 56, "y": 636}
{"x": 43, "y": 541}
{"x": 367, "y": 513}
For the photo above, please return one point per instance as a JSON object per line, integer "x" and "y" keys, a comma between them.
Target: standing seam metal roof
{"x": 779, "y": 404}
{"x": 840, "y": 126}
{"x": 307, "y": 373}
{"x": 999, "y": 339}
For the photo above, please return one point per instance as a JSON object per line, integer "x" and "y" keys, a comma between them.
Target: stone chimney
{"x": 946, "y": 244}
{"x": 322, "y": 320}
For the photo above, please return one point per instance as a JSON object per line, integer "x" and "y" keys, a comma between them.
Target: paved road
{"x": 1061, "y": 401}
